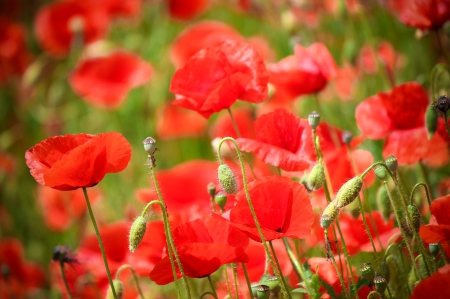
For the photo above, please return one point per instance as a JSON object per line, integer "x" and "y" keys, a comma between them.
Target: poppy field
{"x": 170, "y": 149}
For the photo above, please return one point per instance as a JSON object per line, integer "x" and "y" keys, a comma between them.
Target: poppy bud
{"x": 316, "y": 177}
{"x": 211, "y": 188}
{"x": 347, "y": 137}
{"x": 433, "y": 248}
{"x": 227, "y": 179}
{"x": 442, "y": 104}
{"x": 391, "y": 163}
{"x": 354, "y": 209}
{"x": 221, "y": 199}
{"x": 384, "y": 204}
{"x": 329, "y": 214}
{"x": 118, "y": 287}
{"x": 383, "y": 270}
{"x": 271, "y": 282}
{"x": 261, "y": 291}
{"x": 374, "y": 295}
{"x": 367, "y": 271}
{"x": 149, "y": 145}
{"x": 348, "y": 192}
{"x": 380, "y": 172}
{"x": 380, "y": 284}
{"x": 137, "y": 232}
{"x": 431, "y": 120}
{"x": 314, "y": 119}
{"x": 414, "y": 213}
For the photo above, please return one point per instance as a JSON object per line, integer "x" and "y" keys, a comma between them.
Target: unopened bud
{"x": 381, "y": 173}
{"x": 314, "y": 119}
{"x": 384, "y": 204}
{"x": 431, "y": 120}
{"x": 383, "y": 270}
{"x": 227, "y": 179}
{"x": 137, "y": 232}
{"x": 149, "y": 145}
{"x": 367, "y": 271}
{"x": 211, "y": 188}
{"x": 316, "y": 178}
{"x": 380, "y": 284}
{"x": 348, "y": 192}
{"x": 442, "y": 104}
{"x": 118, "y": 287}
{"x": 434, "y": 248}
{"x": 415, "y": 216}
{"x": 221, "y": 199}
{"x": 391, "y": 163}
{"x": 261, "y": 291}
{"x": 329, "y": 214}
{"x": 347, "y": 137}
{"x": 272, "y": 282}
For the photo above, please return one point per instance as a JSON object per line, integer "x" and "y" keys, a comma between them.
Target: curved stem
{"x": 206, "y": 293}
{"x": 247, "y": 279}
{"x": 427, "y": 181}
{"x": 333, "y": 261}
{"x": 123, "y": 267}
{"x": 252, "y": 209}
{"x": 63, "y": 274}
{"x": 212, "y": 287}
{"x": 100, "y": 242}
{"x": 427, "y": 191}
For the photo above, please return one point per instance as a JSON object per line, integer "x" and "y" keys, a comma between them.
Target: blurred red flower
{"x": 438, "y": 229}
{"x": 399, "y": 115}
{"x": 223, "y": 126}
{"x": 307, "y": 71}
{"x": 422, "y": 14}
{"x": 121, "y": 8}
{"x": 185, "y": 10}
{"x": 214, "y": 78}
{"x": 435, "y": 286}
{"x": 70, "y": 162}
{"x": 283, "y": 140}
{"x": 105, "y": 81}
{"x": 368, "y": 57}
{"x": 57, "y": 24}
{"x": 7, "y": 163}
{"x": 175, "y": 122}
{"x": 22, "y": 277}
{"x": 203, "y": 245}
{"x": 290, "y": 215}
{"x": 61, "y": 208}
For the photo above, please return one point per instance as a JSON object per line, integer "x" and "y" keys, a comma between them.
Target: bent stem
{"x": 63, "y": 274}
{"x": 252, "y": 210}
{"x": 100, "y": 242}
{"x": 427, "y": 192}
{"x": 123, "y": 267}
{"x": 212, "y": 287}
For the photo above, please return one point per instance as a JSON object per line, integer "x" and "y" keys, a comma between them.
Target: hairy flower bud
{"x": 261, "y": 291}
{"x": 149, "y": 145}
{"x": 391, "y": 163}
{"x": 329, "y": 214}
{"x": 380, "y": 284}
{"x": 434, "y": 248}
{"x": 442, "y": 104}
{"x": 314, "y": 119}
{"x": 137, "y": 232}
{"x": 384, "y": 204}
{"x": 367, "y": 271}
{"x": 431, "y": 120}
{"x": 381, "y": 172}
{"x": 227, "y": 179}
{"x": 383, "y": 270}
{"x": 118, "y": 287}
{"x": 271, "y": 282}
{"x": 316, "y": 177}
{"x": 221, "y": 199}
{"x": 414, "y": 213}
{"x": 211, "y": 188}
{"x": 348, "y": 192}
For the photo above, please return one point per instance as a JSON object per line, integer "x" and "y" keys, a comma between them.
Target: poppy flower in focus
{"x": 175, "y": 122}
{"x": 105, "y": 81}
{"x": 59, "y": 22}
{"x": 435, "y": 286}
{"x": 422, "y": 14}
{"x": 186, "y": 10}
{"x": 61, "y": 208}
{"x": 306, "y": 72}
{"x": 283, "y": 140}
{"x": 223, "y": 126}
{"x": 203, "y": 246}
{"x": 214, "y": 78}
{"x": 399, "y": 115}
{"x": 438, "y": 229}
{"x": 70, "y": 162}
{"x": 290, "y": 215}
{"x": 19, "y": 278}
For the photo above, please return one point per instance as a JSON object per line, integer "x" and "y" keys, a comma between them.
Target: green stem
{"x": 206, "y": 293}
{"x": 63, "y": 274}
{"x": 283, "y": 281}
{"x": 441, "y": 250}
{"x": 424, "y": 173}
{"x": 212, "y": 287}
{"x": 123, "y": 267}
{"x": 441, "y": 48}
{"x": 228, "y": 281}
{"x": 298, "y": 267}
{"x": 434, "y": 73}
{"x": 333, "y": 261}
{"x": 447, "y": 127}
{"x": 427, "y": 192}
{"x": 100, "y": 242}
{"x": 169, "y": 231}
{"x": 236, "y": 285}
{"x": 247, "y": 279}
{"x": 252, "y": 209}
{"x": 233, "y": 122}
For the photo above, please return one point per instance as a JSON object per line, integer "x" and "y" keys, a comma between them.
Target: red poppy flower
{"x": 290, "y": 215}
{"x": 438, "y": 230}
{"x": 61, "y": 208}
{"x": 23, "y": 276}
{"x": 422, "y": 14}
{"x": 214, "y": 78}
{"x": 57, "y": 23}
{"x": 175, "y": 122}
{"x": 106, "y": 81}
{"x": 282, "y": 140}
{"x": 368, "y": 57}
{"x": 182, "y": 10}
{"x": 203, "y": 245}
{"x": 399, "y": 115}
{"x": 307, "y": 71}
{"x": 223, "y": 126}
{"x": 121, "y": 8}
{"x": 345, "y": 80}
{"x": 435, "y": 286}
{"x": 77, "y": 161}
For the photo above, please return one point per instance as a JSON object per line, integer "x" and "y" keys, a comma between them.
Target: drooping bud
{"x": 433, "y": 248}
{"x": 149, "y": 145}
{"x": 118, "y": 287}
{"x": 137, "y": 232}
{"x": 442, "y": 104}
{"x": 221, "y": 199}
{"x": 348, "y": 192}
{"x": 316, "y": 177}
{"x": 384, "y": 204}
{"x": 63, "y": 255}
{"x": 227, "y": 179}
{"x": 314, "y": 119}
{"x": 414, "y": 213}
{"x": 367, "y": 271}
{"x": 347, "y": 137}
{"x": 431, "y": 120}
{"x": 381, "y": 173}
{"x": 211, "y": 188}
{"x": 391, "y": 163}
{"x": 261, "y": 291}
{"x": 383, "y": 270}
{"x": 380, "y": 284}
{"x": 329, "y": 214}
